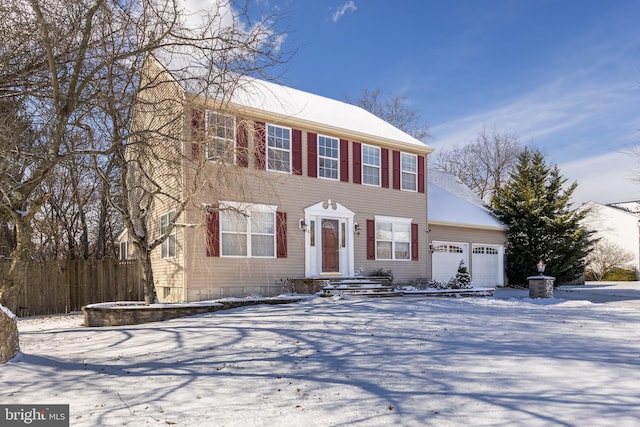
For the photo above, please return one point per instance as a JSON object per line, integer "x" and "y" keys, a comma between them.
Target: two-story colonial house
{"x": 291, "y": 185}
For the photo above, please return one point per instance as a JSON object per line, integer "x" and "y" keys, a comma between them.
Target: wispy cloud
{"x": 566, "y": 116}
{"x": 349, "y": 6}
{"x": 606, "y": 178}
{"x": 581, "y": 105}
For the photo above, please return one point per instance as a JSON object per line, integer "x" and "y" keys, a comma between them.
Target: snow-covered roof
{"x": 274, "y": 100}
{"x": 306, "y": 107}
{"x": 632, "y": 206}
{"x": 450, "y": 201}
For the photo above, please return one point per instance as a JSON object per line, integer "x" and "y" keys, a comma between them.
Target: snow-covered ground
{"x": 501, "y": 361}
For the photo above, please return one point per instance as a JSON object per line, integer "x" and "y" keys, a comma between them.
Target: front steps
{"x": 366, "y": 287}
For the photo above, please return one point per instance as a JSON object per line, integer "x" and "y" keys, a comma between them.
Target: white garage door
{"x": 446, "y": 259}
{"x": 486, "y": 265}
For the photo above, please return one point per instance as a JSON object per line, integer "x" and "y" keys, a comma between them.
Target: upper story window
{"x": 393, "y": 238}
{"x": 168, "y": 247}
{"x": 221, "y": 136}
{"x": 370, "y": 165}
{"x": 328, "y": 157}
{"x": 278, "y": 149}
{"x": 408, "y": 172}
{"x": 250, "y": 232}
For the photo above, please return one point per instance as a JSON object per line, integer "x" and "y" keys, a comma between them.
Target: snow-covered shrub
{"x": 383, "y": 274}
{"x": 463, "y": 278}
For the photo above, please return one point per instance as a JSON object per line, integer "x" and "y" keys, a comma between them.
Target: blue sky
{"x": 563, "y": 75}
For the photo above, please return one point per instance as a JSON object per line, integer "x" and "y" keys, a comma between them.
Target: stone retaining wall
{"x": 9, "y": 343}
{"x": 134, "y": 313}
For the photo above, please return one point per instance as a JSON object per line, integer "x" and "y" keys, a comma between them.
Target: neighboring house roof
{"x": 451, "y": 202}
{"x": 264, "y": 98}
{"x": 611, "y": 220}
{"x": 632, "y": 206}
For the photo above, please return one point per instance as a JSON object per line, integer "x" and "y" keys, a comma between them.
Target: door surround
{"x": 313, "y": 216}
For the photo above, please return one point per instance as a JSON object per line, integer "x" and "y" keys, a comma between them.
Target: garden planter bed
{"x": 136, "y": 312}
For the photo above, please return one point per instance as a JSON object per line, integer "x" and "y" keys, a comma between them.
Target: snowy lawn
{"x": 334, "y": 362}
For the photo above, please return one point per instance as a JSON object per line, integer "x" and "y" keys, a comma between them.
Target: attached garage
{"x": 487, "y": 263}
{"x": 462, "y": 228}
{"x": 446, "y": 259}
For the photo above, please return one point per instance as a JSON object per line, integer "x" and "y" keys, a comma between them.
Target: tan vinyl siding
{"x": 214, "y": 277}
{"x": 156, "y": 144}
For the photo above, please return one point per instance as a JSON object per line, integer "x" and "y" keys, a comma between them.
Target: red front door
{"x": 330, "y": 248}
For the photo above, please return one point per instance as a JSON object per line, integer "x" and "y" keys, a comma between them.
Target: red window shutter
{"x": 296, "y": 151}
{"x": 281, "y": 234}
{"x": 344, "y": 160}
{"x": 260, "y": 141}
{"x": 312, "y": 154}
{"x": 371, "y": 239}
{"x": 421, "y": 174}
{"x": 384, "y": 167}
{"x": 213, "y": 233}
{"x": 357, "y": 163}
{"x": 197, "y": 132}
{"x": 242, "y": 144}
{"x": 414, "y": 242}
{"x": 396, "y": 170}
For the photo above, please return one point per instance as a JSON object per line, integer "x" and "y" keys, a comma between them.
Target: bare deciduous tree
{"x": 607, "y": 257}
{"x": 394, "y": 110}
{"x": 74, "y": 72}
{"x": 485, "y": 164}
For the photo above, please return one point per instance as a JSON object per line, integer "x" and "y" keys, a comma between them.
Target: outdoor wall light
{"x": 356, "y": 228}
{"x": 541, "y": 265}
{"x": 302, "y": 225}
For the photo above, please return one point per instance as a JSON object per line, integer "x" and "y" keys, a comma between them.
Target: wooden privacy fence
{"x": 61, "y": 286}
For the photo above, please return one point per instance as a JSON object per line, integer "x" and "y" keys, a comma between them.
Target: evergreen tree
{"x": 463, "y": 278}
{"x": 542, "y": 225}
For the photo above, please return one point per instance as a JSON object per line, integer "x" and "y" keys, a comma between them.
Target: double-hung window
{"x": 408, "y": 172}
{"x": 393, "y": 238}
{"x": 278, "y": 149}
{"x": 328, "y": 157}
{"x": 248, "y": 231}
{"x": 124, "y": 253}
{"x": 370, "y": 165}
{"x": 168, "y": 247}
{"x": 221, "y": 136}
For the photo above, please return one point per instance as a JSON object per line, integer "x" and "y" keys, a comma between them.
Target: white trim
{"x": 313, "y": 254}
{"x": 266, "y": 148}
{"x": 362, "y": 165}
{"x": 173, "y": 234}
{"x": 415, "y": 156}
{"x": 393, "y": 220}
{"x": 246, "y": 208}
{"x": 337, "y": 159}
{"x": 209, "y": 139}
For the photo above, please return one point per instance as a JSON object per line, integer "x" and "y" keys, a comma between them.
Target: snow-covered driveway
{"x": 333, "y": 362}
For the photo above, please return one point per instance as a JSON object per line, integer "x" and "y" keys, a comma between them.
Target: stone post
{"x": 541, "y": 286}
{"x": 9, "y": 344}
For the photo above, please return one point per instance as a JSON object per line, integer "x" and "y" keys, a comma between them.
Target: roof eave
{"x": 463, "y": 225}
{"x": 325, "y": 128}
